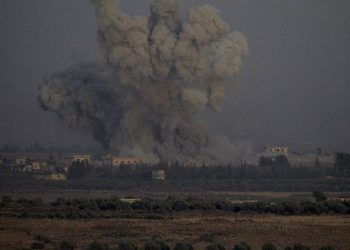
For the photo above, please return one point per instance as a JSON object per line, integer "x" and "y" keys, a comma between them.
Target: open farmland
{"x": 48, "y": 194}
{"x": 199, "y": 228}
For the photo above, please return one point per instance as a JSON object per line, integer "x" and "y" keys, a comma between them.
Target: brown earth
{"x": 200, "y": 229}
{"x": 53, "y": 194}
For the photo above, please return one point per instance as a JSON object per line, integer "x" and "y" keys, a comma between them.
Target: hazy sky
{"x": 294, "y": 87}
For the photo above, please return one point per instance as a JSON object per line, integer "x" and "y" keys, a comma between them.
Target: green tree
{"x": 215, "y": 247}
{"x": 300, "y": 247}
{"x": 156, "y": 245}
{"x": 183, "y": 246}
{"x": 342, "y": 162}
{"x": 317, "y": 163}
{"x": 327, "y": 248}
{"x": 265, "y": 161}
{"x": 281, "y": 161}
{"x": 6, "y": 199}
{"x": 78, "y": 170}
{"x": 97, "y": 246}
{"x": 126, "y": 245}
{"x": 67, "y": 245}
{"x": 268, "y": 246}
{"x": 319, "y": 196}
{"x": 152, "y": 246}
{"x": 38, "y": 245}
{"x": 242, "y": 246}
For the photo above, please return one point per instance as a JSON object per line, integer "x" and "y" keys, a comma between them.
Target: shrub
{"x": 125, "y": 245}
{"x": 300, "y": 247}
{"x": 152, "y": 246}
{"x": 6, "y": 199}
{"x": 215, "y": 247}
{"x": 23, "y": 215}
{"x": 268, "y": 246}
{"x": 319, "y": 196}
{"x": 37, "y": 202}
{"x": 163, "y": 245}
{"x": 38, "y": 245}
{"x": 97, "y": 246}
{"x": 327, "y": 248}
{"x": 156, "y": 245}
{"x": 183, "y": 246}
{"x": 67, "y": 245}
{"x": 42, "y": 238}
{"x": 207, "y": 237}
{"x": 242, "y": 246}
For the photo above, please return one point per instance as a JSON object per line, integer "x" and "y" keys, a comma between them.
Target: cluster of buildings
{"x": 295, "y": 159}
{"x": 56, "y": 167}
{"x": 36, "y": 165}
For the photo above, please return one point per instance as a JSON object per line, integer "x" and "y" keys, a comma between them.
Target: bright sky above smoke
{"x": 294, "y": 86}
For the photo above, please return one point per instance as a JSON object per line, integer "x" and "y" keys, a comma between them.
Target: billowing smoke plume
{"x": 155, "y": 76}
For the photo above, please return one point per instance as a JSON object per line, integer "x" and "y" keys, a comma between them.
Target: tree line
{"x": 146, "y": 207}
{"x": 158, "y": 244}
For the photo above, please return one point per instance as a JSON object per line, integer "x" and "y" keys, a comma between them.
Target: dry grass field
{"x": 199, "y": 228}
{"x": 52, "y": 194}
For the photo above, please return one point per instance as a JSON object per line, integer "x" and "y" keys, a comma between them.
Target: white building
{"x": 158, "y": 175}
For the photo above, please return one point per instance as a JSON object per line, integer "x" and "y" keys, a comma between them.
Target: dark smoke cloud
{"x": 155, "y": 76}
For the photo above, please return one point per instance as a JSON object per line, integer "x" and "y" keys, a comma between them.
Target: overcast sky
{"x": 294, "y": 88}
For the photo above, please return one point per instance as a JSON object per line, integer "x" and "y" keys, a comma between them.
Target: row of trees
{"x": 116, "y": 207}
{"x": 268, "y": 168}
{"x": 175, "y": 172}
{"x": 161, "y": 245}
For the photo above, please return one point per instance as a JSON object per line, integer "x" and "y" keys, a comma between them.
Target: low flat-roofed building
{"x": 20, "y": 161}
{"x": 130, "y": 200}
{"x": 274, "y": 150}
{"x": 158, "y": 175}
{"x": 81, "y": 158}
{"x": 44, "y": 175}
{"x": 57, "y": 177}
{"x": 68, "y": 160}
{"x": 38, "y": 165}
{"x": 117, "y": 161}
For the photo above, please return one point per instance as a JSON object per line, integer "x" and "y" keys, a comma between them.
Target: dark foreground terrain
{"x": 199, "y": 228}
{"x": 281, "y": 219}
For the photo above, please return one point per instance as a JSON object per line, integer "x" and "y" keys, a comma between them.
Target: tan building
{"x": 50, "y": 176}
{"x": 81, "y": 158}
{"x": 38, "y": 165}
{"x": 130, "y": 200}
{"x": 277, "y": 150}
{"x": 57, "y": 177}
{"x": 117, "y": 161}
{"x": 21, "y": 161}
{"x": 158, "y": 175}
{"x": 67, "y": 161}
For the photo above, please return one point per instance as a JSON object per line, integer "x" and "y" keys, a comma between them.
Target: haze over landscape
{"x": 175, "y": 124}
{"x": 293, "y": 88}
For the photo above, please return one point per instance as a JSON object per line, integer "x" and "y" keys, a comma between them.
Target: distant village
{"x": 308, "y": 158}
{"x": 50, "y": 167}
{"x": 55, "y": 167}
